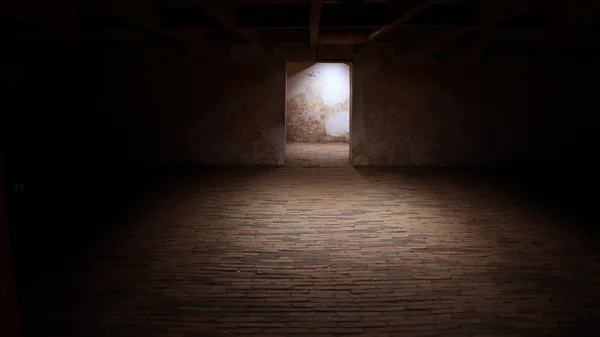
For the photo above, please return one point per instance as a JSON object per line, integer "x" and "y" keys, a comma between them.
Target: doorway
{"x": 318, "y": 110}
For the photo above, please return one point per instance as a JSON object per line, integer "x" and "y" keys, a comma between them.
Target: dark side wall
{"x": 501, "y": 108}
{"x": 83, "y": 129}
{"x": 144, "y": 106}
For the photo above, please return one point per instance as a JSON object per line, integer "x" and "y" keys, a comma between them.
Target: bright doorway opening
{"x": 318, "y": 110}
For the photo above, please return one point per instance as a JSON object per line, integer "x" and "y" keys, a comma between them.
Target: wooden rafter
{"x": 575, "y": 14}
{"x": 509, "y": 10}
{"x": 224, "y": 12}
{"x": 63, "y": 20}
{"x": 418, "y": 8}
{"x": 342, "y": 39}
{"x": 124, "y": 14}
{"x": 404, "y": 17}
{"x": 316, "y": 7}
{"x": 496, "y": 19}
{"x": 58, "y": 16}
{"x": 364, "y": 38}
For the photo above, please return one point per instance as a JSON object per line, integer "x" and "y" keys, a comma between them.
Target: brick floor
{"x": 317, "y": 154}
{"x": 323, "y": 252}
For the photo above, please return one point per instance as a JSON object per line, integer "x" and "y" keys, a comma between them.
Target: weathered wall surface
{"x": 503, "y": 109}
{"x": 159, "y": 106}
{"x": 414, "y": 111}
{"x": 317, "y": 102}
{"x": 179, "y": 105}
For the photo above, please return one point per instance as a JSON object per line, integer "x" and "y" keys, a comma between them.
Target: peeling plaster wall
{"x": 317, "y": 102}
{"x": 503, "y": 109}
{"x": 148, "y": 106}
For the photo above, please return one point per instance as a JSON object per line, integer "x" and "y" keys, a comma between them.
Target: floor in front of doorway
{"x": 318, "y": 252}
{"x": 301, "y": 154}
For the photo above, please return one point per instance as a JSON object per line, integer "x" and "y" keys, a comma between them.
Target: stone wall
{"x": 499, "y": 109}
{"x": 317, "y": 102}
{"x": 414, "y": 110}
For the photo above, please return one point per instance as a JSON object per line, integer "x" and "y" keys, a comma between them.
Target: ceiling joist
{"x": 140, "y": 19}
{"x": 493, "y": 12}
{"x": 564, "y": 27}
{"x": 342, "y": 39}
{"x": 316, "y": 7}
{"x": 225, "y": 13}
{"x": 451, "y": 24}
{"x": 407, "y": 15}
{"x": 565, "y": 17}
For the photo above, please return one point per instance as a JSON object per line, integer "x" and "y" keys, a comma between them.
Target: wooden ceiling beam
{"x": 58, "y": 15}
{"x": 129, "y": 13}
{"x": 486, "y": 15}
{"x": 507, "y": 10}
{"x": 271, "y": 2}
{"x": 567, "y": 18}
{"x": 339, "y": 39}
{"x": 407, "y": 15}
{"x": 316, "y": 7}
{"x": 403, "y": 26}
{"x": 225, "y": 13}
{"x": 298, "y": 2}
{"x": 418, "y": 8}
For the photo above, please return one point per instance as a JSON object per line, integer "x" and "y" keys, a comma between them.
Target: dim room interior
{"x": 262, "y": 168}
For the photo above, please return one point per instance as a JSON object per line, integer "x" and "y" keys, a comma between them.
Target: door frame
{"x": 350, "y": 64}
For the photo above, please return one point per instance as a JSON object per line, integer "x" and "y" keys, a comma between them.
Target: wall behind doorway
{"x": 317, "y": 102}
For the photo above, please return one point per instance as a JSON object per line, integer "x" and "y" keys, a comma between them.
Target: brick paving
{"x": 300, "y": 154}
{"x": 325, "y": 252}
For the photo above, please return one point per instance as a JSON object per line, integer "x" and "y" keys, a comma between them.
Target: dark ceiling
{"x": 276, "y": 23}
